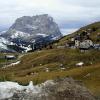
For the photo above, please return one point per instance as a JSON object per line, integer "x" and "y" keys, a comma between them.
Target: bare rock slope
{"x": 28, "y": 28}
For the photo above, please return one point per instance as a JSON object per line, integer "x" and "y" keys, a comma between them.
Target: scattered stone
{"x": 80, "y": 64}
{"x": 47, "y": 69}
{"x": 40, "y": 64}
{"x": 32, "y": 73}
{"x": 63, "y": 68}
{"x": 88, "y": 75}
{"x": 61, "y": 65}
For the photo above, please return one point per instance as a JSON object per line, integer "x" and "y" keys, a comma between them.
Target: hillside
{"x": 93, "y": 29}
{"x": 56, "y": 63}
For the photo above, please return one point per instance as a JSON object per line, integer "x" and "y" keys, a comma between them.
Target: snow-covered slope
{"x": 40, "y": 34}
{"x": 3, "y": 40}
{"x": 8, "y": 46}
{"x": 3, "y": 43}
{"x": 19, "y": 34}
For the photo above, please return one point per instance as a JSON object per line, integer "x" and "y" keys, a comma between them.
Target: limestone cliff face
{"x": 28, "y": 28}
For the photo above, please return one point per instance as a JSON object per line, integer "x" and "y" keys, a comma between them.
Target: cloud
{"x": 67, "y": 13}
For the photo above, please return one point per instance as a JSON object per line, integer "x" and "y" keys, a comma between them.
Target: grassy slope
{"x": 93, "y": 35}
{"x": 37, "y": 63}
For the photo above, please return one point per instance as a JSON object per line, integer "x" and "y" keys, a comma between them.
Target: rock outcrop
{"x": 62, "y": 89}
{"x": 28, "y": 28}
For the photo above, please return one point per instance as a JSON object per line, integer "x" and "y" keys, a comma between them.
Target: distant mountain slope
{"x": 28, "y": 28}
{"x": 4, "y": 45}
{"x": 93, "y": 29}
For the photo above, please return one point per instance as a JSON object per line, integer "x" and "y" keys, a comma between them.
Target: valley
{"x": 40, "y": 56}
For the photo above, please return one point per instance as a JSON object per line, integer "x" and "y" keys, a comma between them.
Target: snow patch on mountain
{"x": 31, "y": 27}
{"x": 26, "y": 49}
{"x": 40, "y": 34}
{"x": 3, "y": 43}
{"x": 18, "y": 34}
{"x": 3, "y": 46}
{"x": 55, "y": 38}
{"x": 3, "y": 40}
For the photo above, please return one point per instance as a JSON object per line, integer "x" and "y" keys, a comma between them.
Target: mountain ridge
{"x": 27, "y": 27}
{"x": 55, "y": 62}
{"x": 93, "y": 29}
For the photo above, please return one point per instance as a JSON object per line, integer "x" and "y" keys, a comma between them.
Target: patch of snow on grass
{"x": 12, "y": 64}
{"x": 7, "y": 89}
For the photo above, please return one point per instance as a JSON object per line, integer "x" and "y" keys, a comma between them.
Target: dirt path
{"x": 13, "y": 63}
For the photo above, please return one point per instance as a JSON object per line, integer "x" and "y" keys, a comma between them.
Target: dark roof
{"x": 71, "y": 43}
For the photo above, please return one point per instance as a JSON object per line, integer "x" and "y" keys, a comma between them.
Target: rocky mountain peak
{"x": 32, "y": 27}
{"x": 27, "y": 30}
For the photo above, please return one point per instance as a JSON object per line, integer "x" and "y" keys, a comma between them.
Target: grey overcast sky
{"x": 69, "y": 14}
